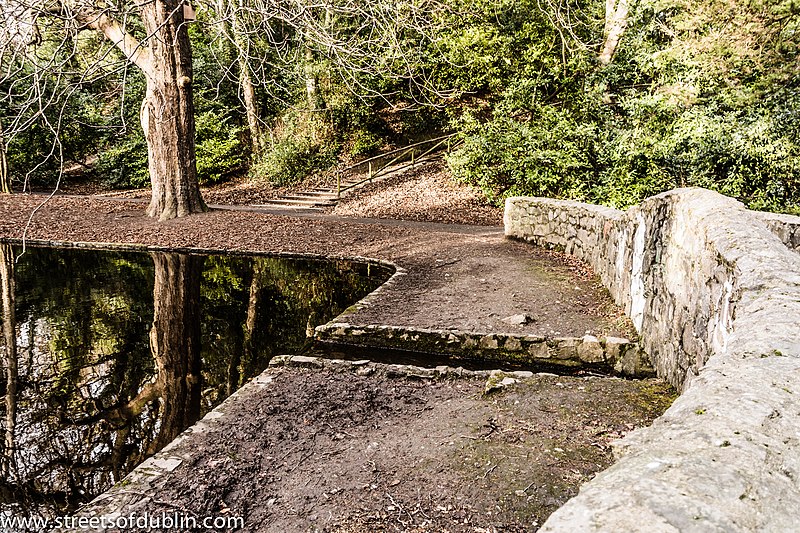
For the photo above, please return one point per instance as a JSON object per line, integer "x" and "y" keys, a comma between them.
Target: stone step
{"x": 301, "y": 202}
{"x": 312, "y": 194}
{"x": 285, "y": 205}
{"x": 310, "y": 199}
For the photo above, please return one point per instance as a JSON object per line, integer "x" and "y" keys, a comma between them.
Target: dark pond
{"x": 109, "y": 355}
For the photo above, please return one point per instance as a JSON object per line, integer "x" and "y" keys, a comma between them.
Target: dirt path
{"x": 459, "y": 277}
{"x": 340, "y": 451}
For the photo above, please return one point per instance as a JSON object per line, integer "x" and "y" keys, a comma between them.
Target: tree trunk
{"x": 5, "y": 178}
{"x": 312, "y": 96}
{"x": 252, "y": 347}
{"x": 10, "y": 339}
{"x": 168, "y": 113}
{"x": 616, "y": 23}
{"x": 175, "y": 342}
{"x": 246, "y": 83}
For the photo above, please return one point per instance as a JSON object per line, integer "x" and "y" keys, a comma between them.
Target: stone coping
{"x": 786, "y": 227}
{"x": 715, "y": 295}
{"x": 611, "y": 354}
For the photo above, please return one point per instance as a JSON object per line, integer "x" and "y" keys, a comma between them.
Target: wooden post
{"x": 369, "y": 172}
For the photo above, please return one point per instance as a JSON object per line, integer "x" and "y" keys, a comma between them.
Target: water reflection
{"x": 107, "y": 356}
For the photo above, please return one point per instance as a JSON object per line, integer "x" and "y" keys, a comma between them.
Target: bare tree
{"x": 359, "y": 41}
{"x": 44, "y": 62}
{"x": 5, "y": 177}
{"x": 230, "y": 31}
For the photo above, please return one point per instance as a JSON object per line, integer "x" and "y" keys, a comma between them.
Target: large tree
{"x": 162, "y": 52}
{"x": 167, "y": 114}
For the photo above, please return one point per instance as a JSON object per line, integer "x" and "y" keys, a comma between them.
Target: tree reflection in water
{"x": 108, "y": 356}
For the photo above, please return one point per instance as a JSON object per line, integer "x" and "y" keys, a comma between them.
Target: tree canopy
{"x": 601, "y": 101}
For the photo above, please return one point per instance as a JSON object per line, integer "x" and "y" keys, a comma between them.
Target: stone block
{"x": 307, "y": 362}
{"x": 538, "y": 350}
{"x": 512, "y": 344}
{"x": 590, "y": 350}
{"x": 567, "y": 348}
{"x": 488, "y": 342}
{"x": 614, "y": 347}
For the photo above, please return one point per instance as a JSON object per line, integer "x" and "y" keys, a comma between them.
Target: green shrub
{"x": 218, "y": 149}
{"x": 550, "y": 155}
{"x": 365, "y": 142}
{"x": 291, "y": 160}
{"x": 124, "y": 165}
{"x": 218, "y": 152}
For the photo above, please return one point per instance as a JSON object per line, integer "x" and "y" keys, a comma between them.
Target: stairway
{"x": 313, "y": 198}
{"x": 318, "y": 198}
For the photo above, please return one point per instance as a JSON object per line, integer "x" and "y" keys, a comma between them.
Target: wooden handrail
{"x": 405, "y": 150}
{"x": 379, "y": 156}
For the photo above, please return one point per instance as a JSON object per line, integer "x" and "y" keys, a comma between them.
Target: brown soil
{"x": 338, "y": 452}
{"x": 426, "y": 193}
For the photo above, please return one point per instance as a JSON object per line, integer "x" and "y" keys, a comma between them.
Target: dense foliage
{"x": 701, "y": 93}
{"x": 698, "y": 94}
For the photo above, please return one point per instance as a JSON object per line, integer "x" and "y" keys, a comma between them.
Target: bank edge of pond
{"x": 135, "y": 247}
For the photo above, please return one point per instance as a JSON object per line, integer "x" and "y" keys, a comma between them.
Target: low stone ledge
{"x": 611, "y": 353}
{"x": 367, "y": 367}
{"x": 136, "y": 489}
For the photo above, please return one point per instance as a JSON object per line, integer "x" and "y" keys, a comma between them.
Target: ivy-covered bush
{"x": 695, "y": 96}
{"x": 124, "y": 163}
{"x": 219, "y": 148}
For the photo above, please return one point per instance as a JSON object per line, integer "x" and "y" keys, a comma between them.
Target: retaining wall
{"x": 715, "y": 295}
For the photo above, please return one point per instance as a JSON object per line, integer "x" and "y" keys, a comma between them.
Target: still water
{"x": 108, "y": 356}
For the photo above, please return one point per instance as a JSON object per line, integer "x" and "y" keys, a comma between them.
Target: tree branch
{"x": 138, "y": 54}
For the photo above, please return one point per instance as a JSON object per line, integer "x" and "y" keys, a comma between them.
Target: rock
{"x": 307, "y": 362}
{"x": 590, "y": 350}
{"x": 488, "y": 342}
{"x": 365, "y": 371}
{"x": 519, "y": 320}
{"x": 498, "y": 381}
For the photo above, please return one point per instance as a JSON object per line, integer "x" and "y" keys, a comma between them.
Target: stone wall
{"x": 716, "y": 297}
{"x": 786, "y": 227}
